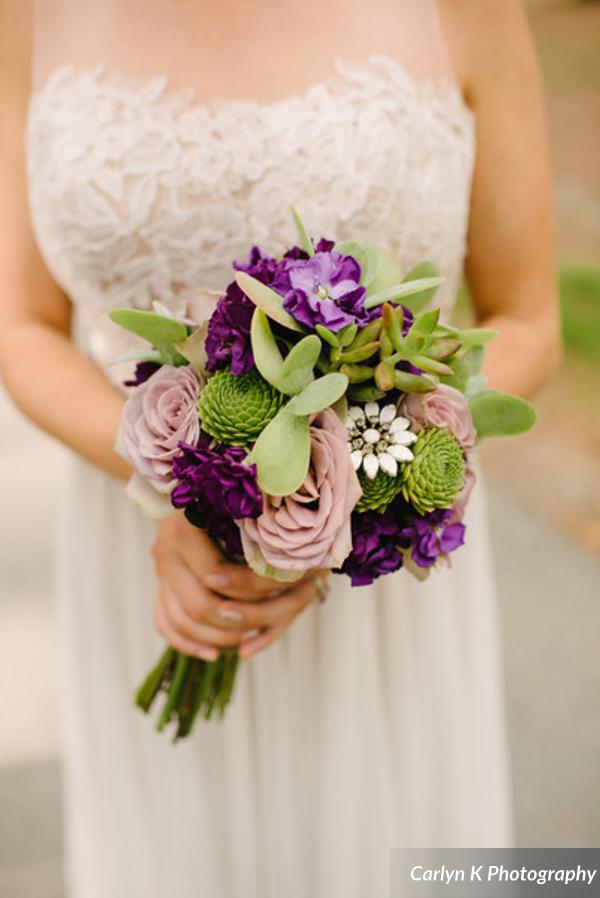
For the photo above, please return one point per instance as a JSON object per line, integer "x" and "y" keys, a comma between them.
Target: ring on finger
{"x": 322, "y": 586}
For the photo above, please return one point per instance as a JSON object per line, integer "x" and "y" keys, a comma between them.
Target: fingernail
{"x": 230, "y": 614}
{"x": 216, "y": 579}
{"x": 207, "y": 654}
{"x": 250, "y": 634}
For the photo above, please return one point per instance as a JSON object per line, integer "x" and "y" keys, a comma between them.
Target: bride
{"x": 146, "y": 145}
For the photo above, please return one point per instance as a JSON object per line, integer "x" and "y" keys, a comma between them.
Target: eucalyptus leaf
{"x": 158, "y": 330}
{"x": 303, "y": 236}
{"x": 282, "y": 453}
{"x": 401, "y": 292}
{"x": 297, "y": 369}
{"x": 320, "y": 394}
{"x": 266, "y": 299}
{"x": 267, "y": 356}
{"x": 498, "y": 414}
{"x": 475, "y": 385}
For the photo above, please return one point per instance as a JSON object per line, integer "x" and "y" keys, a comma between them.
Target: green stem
{"x": 181, "y": 668}
{"x": 226, "y": 690}
{"x": 149, "y": 689}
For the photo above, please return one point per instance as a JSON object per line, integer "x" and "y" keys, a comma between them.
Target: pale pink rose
{"x": 460, "y": 506}
{"x": 158, "y": 414}
{"x": 442, "y": 407}
{"x": 310, "y": 528}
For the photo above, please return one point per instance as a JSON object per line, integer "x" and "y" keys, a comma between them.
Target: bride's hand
{"x": 195, "y": 618}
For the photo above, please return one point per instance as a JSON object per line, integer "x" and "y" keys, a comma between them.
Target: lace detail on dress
{"x": 138, "y": 193}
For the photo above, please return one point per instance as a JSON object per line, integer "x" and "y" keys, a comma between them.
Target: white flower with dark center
{"x": 378, "y": 438}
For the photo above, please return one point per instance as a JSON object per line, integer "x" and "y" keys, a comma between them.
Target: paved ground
{"x": 550, "y": 611}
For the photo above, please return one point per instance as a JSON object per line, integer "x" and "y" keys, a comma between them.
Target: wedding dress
{"x": 376, "y": 721}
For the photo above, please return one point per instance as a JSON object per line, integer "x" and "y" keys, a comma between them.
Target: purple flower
{"x": 216, "y": 478}
{"x": 143, "y": 371}
{"x": 323, "y": 289}
{"x": 375, "y": 547}
{"x": 432, "y": 535}
{"x": 228, "y": 334}
{"x": 296, "y": 252}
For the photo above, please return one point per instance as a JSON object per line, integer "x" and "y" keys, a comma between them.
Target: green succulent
{"x": 378, "y": 492}
{"x": 435, "y": 477}
{"x": 236, "y": 409}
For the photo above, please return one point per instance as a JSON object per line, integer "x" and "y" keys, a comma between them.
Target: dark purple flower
{"x": 432, "y": 535}
{"x": 143, "y": 371}
{"x": 215, "y": 477}
{"x": 323, "y": 289}
{"x": 296, "y": 252}
{"x": 228, "y": 334}
{"x": 375, "y": 547}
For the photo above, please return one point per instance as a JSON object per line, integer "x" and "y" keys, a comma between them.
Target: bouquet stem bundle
{"x": 191, "y": 686}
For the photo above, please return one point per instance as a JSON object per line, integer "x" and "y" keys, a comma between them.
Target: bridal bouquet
{"x": 319, "y": 419}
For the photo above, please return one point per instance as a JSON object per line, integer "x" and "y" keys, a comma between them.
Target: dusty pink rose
{"x": 310, "y": 528}
{"x": 157, "y": 415}
{"x": 442, "y": 407}
{"x": 460, "y": 506}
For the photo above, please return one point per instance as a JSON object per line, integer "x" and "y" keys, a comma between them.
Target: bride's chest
{"x": 132, "y": 188}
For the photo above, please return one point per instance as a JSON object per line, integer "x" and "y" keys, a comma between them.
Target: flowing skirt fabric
{"x": 375, "y": 722}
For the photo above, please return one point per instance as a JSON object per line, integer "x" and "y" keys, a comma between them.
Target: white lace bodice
{"x": 139, "y": 193}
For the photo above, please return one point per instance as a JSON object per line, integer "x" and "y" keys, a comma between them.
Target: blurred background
{"x": 544, "y": 498}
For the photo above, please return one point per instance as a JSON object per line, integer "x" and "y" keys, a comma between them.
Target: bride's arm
{"x": 510, "y": 262}
{"x": 53, "y": 383}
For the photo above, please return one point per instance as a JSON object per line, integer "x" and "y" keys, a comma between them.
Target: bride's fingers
{"x": 237, "y": 581}
{"x": 187, "y": 646}
{"x": 194, "y": 630}
{"x": 255, "y": 644}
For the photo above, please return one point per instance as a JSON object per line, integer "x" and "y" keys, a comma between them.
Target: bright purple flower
{"x": 324, "y": 289}
{"x": 143, "y": 371}
{"x": 215, "y": 478}
{"x": 228, "y": 334}
{"x": 432, "y": 535}
{"x": 375, "y": 547}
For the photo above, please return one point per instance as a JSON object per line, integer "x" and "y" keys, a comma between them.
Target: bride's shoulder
{"x": 489, "y": 42}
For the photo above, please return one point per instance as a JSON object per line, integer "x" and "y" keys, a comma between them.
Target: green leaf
{"x": 431, "y": 366}
{"x": 347, "y": 334}
{"x": 498, "y": 414}
{"x": 387, "y": 272}
{"x": 427, "y": 322}
{"x": 282, "y": 453}
{"x": 320, "y": 394}
{"x": 461, "y": 374}
{"x": 412, "y": 383}
{"x": 367, "y": 334}
{"x": 360, "y": 355}
{"x": 474, "y": 359}
{"x": 366, "y": 254}
{"x": 297, "y": 370}
{"x": 266, "y": 299}
{"x": 303, "y": 236}
{"x": 400, "y": 292}
{"x": 357, "y": 374}
{"x": 267, "y": 357}
{"x": 362, "y": 393}
{"x": 158, "y": 330}
{"x": 443, "y": 348}
{"x": 193, "y": 347}
{"x": 420, "y": 271}
{"x": 471, "y": 337}
{"x": 327, "y": 335}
